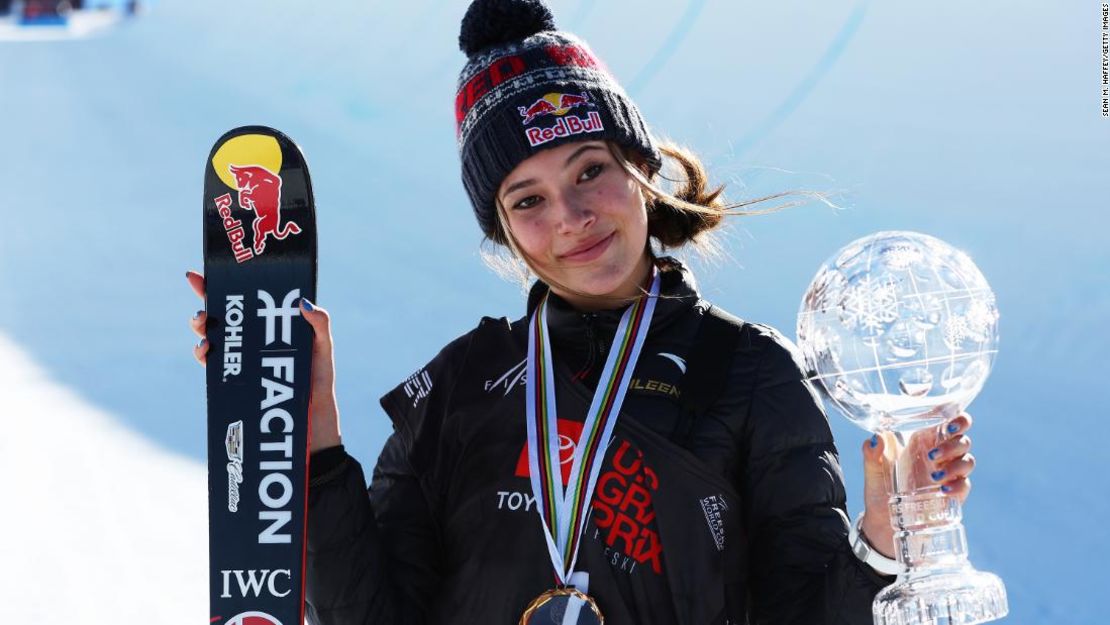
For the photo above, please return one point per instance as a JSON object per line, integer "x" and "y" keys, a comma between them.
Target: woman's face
{"x": 580, "y": 219}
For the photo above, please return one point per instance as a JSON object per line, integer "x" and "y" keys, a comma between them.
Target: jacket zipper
{"x": 592, "y": 349}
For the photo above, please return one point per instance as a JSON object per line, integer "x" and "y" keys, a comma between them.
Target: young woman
{"x": 602, "y": 454}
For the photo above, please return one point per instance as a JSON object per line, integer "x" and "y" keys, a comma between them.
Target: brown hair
{"x": 684, "y": 215}
{"x": 693, "y": 208}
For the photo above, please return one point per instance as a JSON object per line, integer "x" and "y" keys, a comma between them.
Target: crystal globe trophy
{"x": 900, "y": 330}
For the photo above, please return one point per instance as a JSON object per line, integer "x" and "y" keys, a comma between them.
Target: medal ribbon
{"x": 566, "y": 510}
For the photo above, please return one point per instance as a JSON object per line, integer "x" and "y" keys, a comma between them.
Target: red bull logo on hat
{"x": 560, "y": 106}
{"x": 557, "y": 104}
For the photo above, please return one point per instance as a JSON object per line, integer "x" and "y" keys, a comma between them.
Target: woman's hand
{"x": 322, "y": 407}
{"x": 946, "y": 464}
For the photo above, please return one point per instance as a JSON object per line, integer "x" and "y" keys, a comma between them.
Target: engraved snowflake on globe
{"x": 900, "y": 329}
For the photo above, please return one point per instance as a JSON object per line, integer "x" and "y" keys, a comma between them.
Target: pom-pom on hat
{"x": 526, "y": 87}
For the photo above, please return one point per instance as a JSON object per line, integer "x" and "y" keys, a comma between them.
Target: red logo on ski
{"x": 253, "y": 618}
{"x": 259, "y": 192}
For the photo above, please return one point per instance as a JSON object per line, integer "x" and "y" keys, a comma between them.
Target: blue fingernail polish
{"x": 937, "y": 475}
{"x": 196, "y": 315}
{"x": 202, "y": 342}
{"x": 307, "y": 303}
{"x": 946, "y": 488}
{"x": 952, "y": 428}
{"x": 874, "y": 440}
{"x": 933, "y": 453}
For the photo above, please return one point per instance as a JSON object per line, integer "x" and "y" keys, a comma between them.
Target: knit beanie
{"x": 527, "y": 87}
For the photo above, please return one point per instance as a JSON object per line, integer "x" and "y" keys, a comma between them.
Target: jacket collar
{"x": 570, "y": 327}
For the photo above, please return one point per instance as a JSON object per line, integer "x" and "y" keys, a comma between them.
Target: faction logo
{"x": 251, "y": 618}
{"x": 560, "y": 106}
{"x": 249, "y": 164}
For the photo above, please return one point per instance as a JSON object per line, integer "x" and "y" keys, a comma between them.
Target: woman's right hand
{"x": 322, "y": 407}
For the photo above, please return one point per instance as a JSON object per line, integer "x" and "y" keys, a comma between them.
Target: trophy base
{"x": 957, "y": 597}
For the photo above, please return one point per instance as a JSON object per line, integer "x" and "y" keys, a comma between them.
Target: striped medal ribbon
{"x": 565, "y": 510}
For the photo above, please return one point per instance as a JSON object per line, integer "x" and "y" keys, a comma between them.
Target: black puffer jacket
{"x": 746, "y": 523}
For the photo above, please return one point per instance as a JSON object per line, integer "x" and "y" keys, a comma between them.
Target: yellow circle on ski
{"x": 262, "y": 150}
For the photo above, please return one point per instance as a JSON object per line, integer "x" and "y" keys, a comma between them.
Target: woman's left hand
{"x": 946, "y": 464}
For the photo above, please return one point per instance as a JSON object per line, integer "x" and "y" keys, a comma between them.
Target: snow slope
{"x": 100, "y": 525}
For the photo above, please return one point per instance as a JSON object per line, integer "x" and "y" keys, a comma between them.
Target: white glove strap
{"x": 865, "y": 552}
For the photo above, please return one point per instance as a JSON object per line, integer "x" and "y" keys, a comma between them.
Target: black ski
{"x": 259, "y": 260}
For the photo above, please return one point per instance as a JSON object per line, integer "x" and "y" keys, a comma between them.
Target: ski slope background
{"x": 979, "y": 124}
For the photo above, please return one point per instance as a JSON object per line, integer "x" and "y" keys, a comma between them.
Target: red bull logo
{"x": 260, "y": 192}
{"x": 259, "y": 189}
{"x": 565, "y": 127}
{"x": 557, "y": 104}
{"x": 234, "y": 229}
{"x": 560, "y": 106}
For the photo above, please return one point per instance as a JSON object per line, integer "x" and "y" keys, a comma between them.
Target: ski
{"x": 259, "y": 261}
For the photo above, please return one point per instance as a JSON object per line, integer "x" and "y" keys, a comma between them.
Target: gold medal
{"x": 562, "y": 606}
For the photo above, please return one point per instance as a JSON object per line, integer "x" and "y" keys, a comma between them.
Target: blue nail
{"x": 307, "y": 303}
{"x": 196, "y": 315}
{"x": 202, "y": 342}
{"x": 953, "y": 428}
{"x": 933, "y": 453}
{"x": 874, "y": 440}
{"x": 946, "y": 488}
{"x": 937, "y": 475}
